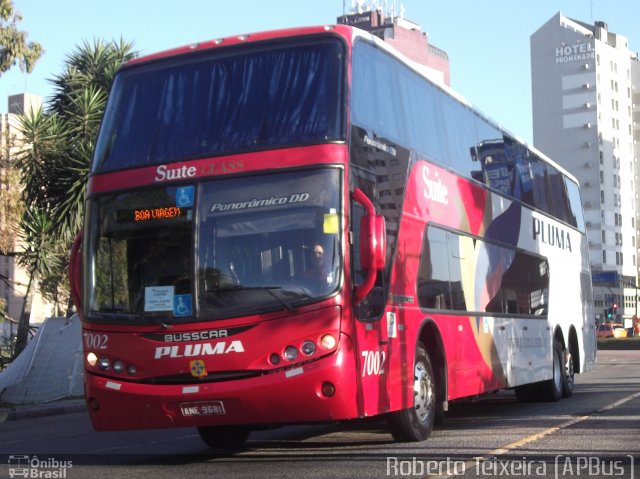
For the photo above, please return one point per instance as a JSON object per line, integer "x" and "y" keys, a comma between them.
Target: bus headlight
{"x": 92, "y": 359}
{"x": 328, "y": 341}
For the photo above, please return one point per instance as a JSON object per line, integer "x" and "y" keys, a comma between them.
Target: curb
{"x": 33, "y": 411}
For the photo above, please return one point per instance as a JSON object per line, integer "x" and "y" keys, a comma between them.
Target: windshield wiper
{"x": 267, "y": 289}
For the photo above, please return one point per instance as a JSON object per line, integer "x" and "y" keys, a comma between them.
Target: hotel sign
{"x": 574, "y": 53}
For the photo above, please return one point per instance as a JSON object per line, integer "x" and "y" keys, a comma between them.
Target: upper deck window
{"x": 224, "y": 101}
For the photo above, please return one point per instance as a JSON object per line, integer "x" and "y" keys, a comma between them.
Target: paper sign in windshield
{"x": 330, "y": 224}
{"x": 158, "y": 298}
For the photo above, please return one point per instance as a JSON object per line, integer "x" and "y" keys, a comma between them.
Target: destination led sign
{"x": 141, "y": 215}
{"x": 156, "y": 213}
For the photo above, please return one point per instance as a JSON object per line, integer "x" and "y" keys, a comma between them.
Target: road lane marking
{"x": 473, "y": 463}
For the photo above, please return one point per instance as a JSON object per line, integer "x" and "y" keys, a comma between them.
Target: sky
{"x": 487, "y": 42}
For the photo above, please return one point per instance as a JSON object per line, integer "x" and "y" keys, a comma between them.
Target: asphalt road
{"x": 596, "y": 433}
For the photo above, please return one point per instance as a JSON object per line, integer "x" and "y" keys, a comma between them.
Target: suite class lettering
{"x": 434, "y": 189}
{"x": 167, "y": 173}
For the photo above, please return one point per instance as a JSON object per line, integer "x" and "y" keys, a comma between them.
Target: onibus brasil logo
{"x": 36, "y": 468}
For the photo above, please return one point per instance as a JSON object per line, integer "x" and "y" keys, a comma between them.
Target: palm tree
{"x": 40, "y": 256}
{"x": 76, "y": 110}
{"x": 59, "y": 142}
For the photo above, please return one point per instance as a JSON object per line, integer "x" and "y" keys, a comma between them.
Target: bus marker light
{"x": 328, "y": 341}
{"x": 274, "y": 359}
{"x": 104, "y": 363}
{"x": 308, "y": 348}
{"x": 290, "y": 353}
{"x": 92, "y": 359}
{"x": 118, "y": 366}
{"x": 328, "y": 389}
{"x": 131, "y": 370}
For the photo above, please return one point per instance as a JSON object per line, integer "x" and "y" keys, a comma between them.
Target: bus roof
{"x": 342, "y": 30}
{"x": 349, "y": 33}
{"x": 427, "y": 74}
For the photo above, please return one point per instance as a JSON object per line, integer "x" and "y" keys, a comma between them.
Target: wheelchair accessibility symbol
{"x": 184, "y": 197}
{"x": 182, "y": 305}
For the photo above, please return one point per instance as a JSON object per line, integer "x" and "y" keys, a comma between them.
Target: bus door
{"x": 372, "y": 337}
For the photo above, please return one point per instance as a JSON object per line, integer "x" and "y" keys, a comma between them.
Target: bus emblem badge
{"x": 198, "y": 370}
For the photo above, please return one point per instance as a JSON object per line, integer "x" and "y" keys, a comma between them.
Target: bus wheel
{"x": 552, "y": 389}
{"x": 416, "y": 423}
{"x": 225, "y": 437}
{"x": 568, "y": 378}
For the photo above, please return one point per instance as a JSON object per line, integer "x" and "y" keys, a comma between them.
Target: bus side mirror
{"x": 75, "y": 273}
{"x": 373, "y": 244}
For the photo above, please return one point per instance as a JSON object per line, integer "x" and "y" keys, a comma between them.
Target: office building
{"x": 585, "y": 93}
{"x": 13, "y": 278}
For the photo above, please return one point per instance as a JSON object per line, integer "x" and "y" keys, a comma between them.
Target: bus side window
{"x": 434, "y": 288}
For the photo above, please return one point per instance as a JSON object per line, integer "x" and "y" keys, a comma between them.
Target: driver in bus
{"x": 319, "y": 269}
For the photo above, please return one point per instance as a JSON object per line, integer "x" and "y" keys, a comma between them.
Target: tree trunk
{"x": 23, "y": 324}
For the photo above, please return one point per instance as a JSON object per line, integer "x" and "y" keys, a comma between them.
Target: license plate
{"x": 203, "y": 408}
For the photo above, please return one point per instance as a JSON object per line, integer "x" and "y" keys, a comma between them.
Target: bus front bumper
{"x": 298, "y": 395}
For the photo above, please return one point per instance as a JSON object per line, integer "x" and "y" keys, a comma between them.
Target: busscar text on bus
{"x": 299, "y": 226}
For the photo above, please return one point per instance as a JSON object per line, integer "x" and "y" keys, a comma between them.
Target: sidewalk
{"x": 31, "y": 411}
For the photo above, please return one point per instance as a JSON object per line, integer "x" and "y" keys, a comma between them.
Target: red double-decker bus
{"x": 299, "y": 226}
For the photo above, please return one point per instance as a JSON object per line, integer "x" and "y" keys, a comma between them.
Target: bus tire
{"x": 551, "y": 390}
{"x": 416, "y": 423}
{"x": 568, "y": 378}
{"x": 224, "y": 437}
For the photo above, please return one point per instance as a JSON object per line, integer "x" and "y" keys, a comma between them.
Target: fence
{"x": 49, "y": 368}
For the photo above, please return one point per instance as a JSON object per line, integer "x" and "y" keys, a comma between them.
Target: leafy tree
{"x": 14, "y": 47}
{"x": 59, "y": 142}
{"x": 10, "y": 201}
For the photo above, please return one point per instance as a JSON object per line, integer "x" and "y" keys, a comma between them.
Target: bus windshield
{"x": 222, "y": 102}
{"x": 261, "y": 244}
{"x": 268, "y": 240}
